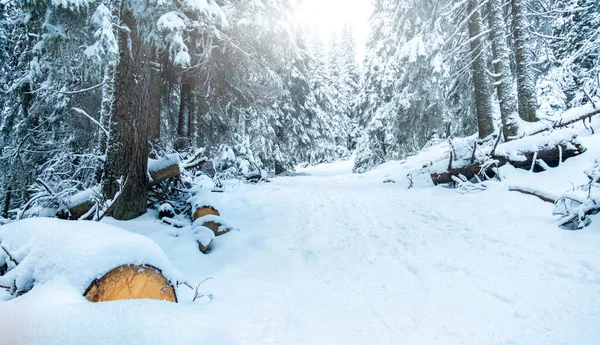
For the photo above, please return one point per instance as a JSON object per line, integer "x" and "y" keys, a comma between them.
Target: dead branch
{"x": 561, "y": 124}
{"x": 540, "y": 195}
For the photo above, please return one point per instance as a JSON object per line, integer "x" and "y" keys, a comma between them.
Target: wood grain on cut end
{"x": 216, "y": 227}
{"x": 205, "y": 211}
{"x": 131, "y": 282}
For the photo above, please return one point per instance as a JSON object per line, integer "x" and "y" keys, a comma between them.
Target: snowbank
{"x": 76, "y": 252}
{"x": 55, "y": 314}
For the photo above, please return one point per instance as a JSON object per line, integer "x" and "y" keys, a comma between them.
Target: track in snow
{"x": 336, "y": 258}
{"x": 333, "y": 258}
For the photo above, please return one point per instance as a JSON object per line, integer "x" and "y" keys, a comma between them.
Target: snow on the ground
{"x": 328, "y": 257}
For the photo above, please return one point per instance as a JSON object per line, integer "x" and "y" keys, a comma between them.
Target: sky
{"x": 328, "y": 16}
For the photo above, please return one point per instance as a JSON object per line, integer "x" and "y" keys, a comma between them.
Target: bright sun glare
{"x": 329, "y": 16}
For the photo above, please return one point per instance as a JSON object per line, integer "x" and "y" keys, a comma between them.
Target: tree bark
{"x": 7, "y": 201}
{"x": 127, "y": 153}
{"x": 526, "y": 84}
{"x": 481, "y": 83}
{"x": 184, "y": 101}
{"x": 154, "y": 107}
{"x": 506, "y": 93}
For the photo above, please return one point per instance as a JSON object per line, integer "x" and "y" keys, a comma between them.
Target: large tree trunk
{"x": 127, "y": 153}
{"x": 506, "y": 93}
{"x": 526, "y": 88}
{"x": 481, "y": 83}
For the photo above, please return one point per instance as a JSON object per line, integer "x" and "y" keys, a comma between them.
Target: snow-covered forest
{"x": 287, "y": 187}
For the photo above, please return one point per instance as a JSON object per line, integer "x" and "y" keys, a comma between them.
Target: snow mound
{"x": 203, "y": 235}
{"x": 204, "y": 198}
{"x": 76, "y": 252}
{"x": 58, "y": 315}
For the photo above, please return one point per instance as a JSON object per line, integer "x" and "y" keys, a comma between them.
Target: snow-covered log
{"x": 203, "y": 204}
{"x": 532, "y": 153}
{"x": 215, "y": 223}
{"x": 131, "y": 282}
{"x": 163, "y": 169}
{"x": 81, "y": 203}
{"x": 100, "y": 261}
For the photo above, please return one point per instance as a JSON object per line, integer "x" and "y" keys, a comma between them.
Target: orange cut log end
{"x": 131, "y": 282}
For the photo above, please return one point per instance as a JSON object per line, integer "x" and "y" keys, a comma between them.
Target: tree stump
{"x": 131, "y": 282}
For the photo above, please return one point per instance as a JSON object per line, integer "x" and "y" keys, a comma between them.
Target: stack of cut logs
{"x": 207, "y": 218}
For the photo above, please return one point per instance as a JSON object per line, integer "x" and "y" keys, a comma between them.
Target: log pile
{"x": 159, "y": 171}
{"x": 207, "y": 221}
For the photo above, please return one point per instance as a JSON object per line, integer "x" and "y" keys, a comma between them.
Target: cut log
{"x": 163, "y": 169}
{"x": 205, "y": 211}
{"x": 214, "y": 223}
{"x": 216, "y": 227}
{"x": 204, "y": 237}
{"x": 131, "y": 282}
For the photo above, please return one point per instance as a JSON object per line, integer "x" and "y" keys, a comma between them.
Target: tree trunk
{"x": 127, "y": 152}
{"x": 7, "y": 201}
{"x": 184, "y": 102}
{"x": 481, "y": 83}
{"x": 506, "y": 93}
{"x": 526, "y": 84}
{"x": 108, "y": 93}
{"x": 154, "y": 107}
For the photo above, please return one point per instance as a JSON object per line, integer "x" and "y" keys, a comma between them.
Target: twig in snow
{"x": 197, "y": 293}
{"x": 9, "y": 256}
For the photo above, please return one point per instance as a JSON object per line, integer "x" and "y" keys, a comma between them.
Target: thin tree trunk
{"x": 184, "y": 100}
{"x": 127, "y": 153}
{"x": 108, "y": 93}
{"x": 506, "y": 93}
{"x": 154, "y": 107}
{"x": 7, "y": 201}
{"x": 483, "y": 96}
{"x": 526, "y": 84}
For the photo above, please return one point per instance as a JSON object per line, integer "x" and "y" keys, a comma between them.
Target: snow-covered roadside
{"x": 334, "y": 258}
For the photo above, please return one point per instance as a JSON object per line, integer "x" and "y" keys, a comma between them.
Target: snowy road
{"x": 335, "y": 258}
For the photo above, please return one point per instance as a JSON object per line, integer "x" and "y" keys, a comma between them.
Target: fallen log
{"x": 131, "y": 282}
{"x": 533, "y": 153}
